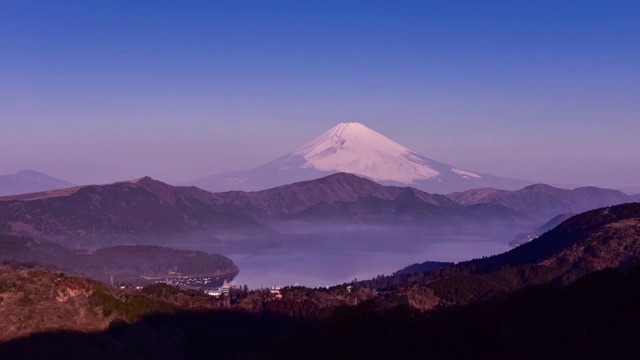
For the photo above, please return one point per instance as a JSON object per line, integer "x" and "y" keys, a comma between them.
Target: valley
{"x": 358, "y": 180}
{"x": 112, "y": 265}
{"x": 585, "y": 264}
{"x": 287, "y": 235}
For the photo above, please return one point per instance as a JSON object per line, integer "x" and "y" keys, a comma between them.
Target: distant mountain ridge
{"x": 147, "y": 211}
{"x": 356, "y": 149}
{"x": 340, "y": 187}
{"x": 29, "y": 181}
{"x": 544, "y": 201}
{"x": 143, "y": 211}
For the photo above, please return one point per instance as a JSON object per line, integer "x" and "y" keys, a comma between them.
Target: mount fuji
{"x": 356, "y": 149}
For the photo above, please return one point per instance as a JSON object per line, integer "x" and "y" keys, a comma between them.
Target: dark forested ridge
{"x": 595, "y": 317}
{"x": 524, "y": 238}
{"x": 606, "y": 237}
{"x": 414, "y": 273}
{"x": 595, "y": 240}
{"x": 592, "y": 241}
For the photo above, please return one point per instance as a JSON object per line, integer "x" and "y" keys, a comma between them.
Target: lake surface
{"x": 328, "y": 263}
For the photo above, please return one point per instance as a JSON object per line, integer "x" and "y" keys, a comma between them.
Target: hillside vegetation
{"x": 135, "y": 264}
{"x": 572, "y": 293}
{"x": 593, "y": 318}
{"x": 39, "y": 300}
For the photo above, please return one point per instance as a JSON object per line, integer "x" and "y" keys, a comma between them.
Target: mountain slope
{"x": 340, "y": 187}
{"x": 543, "y": 201}
{"x": 356, "y": 149}
{"x": 593, "y": 318}
{"x": 538, "y": 313}
{"x": 28, "y": 181}
{"x": 140, "y": 211}
{"x": 37, "y": 300}
{"x": 631, "y": 190}
{"x": 146, "y": 211}
{"x": 526, "y": 237}
{"x": 138, "y": 265}
{"x": 601, "y": 238}
{"x": 346, "y": 198}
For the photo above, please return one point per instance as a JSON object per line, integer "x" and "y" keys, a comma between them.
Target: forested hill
{"x": 595, "y": 317}
{"x": 606, "y": 237}
{"x": 551, "y": 301}
{"x": 588, "y": 242}
{"x": 126, "y": 263}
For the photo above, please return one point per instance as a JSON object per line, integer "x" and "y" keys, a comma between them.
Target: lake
{"x": 331, "y": 262}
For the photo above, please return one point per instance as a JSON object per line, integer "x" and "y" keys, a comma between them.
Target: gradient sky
{"x": 100, "y": 91}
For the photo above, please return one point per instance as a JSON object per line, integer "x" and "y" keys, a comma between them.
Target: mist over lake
{"x": 327, "y": 263}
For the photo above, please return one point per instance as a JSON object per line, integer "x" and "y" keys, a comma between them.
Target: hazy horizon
{"x": 96, "y": 93}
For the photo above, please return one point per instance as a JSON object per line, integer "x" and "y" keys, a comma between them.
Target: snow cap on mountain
{"x": 354, "y": 148}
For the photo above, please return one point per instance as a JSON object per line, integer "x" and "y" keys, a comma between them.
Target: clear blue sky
{"x": 99, "y": 91}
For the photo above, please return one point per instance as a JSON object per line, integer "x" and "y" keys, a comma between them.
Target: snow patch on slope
{"x": 354, "y": 148}
{"x": 467, "y": 174}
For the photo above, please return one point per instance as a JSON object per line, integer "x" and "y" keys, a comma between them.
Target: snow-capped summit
{"x": 356, "y": 149}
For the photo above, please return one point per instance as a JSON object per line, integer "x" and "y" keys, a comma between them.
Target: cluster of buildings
{"x": 275, "y": 291}
{"x": 223, "y": 290}
{"x": 189, "y": 282}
